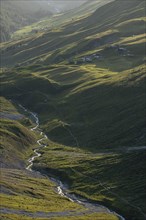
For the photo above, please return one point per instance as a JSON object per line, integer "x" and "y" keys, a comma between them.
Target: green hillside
{"x": 26, "y": 195}
{"x": 101, "y": 177}
{"x": 16, "y": 139}
{"x": 85, "y": 95}
{"x": 87, "y": 35}
{"x": 85, "y": 78}
{"x": 15, "y": 14}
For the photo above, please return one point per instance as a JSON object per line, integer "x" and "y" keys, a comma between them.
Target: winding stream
{"x": 61, "y": 188}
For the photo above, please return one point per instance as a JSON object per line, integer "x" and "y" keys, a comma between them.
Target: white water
{"x": 61, "y": 189}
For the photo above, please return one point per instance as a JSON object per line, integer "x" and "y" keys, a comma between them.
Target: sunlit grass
{"x": 101, "y": 105}
{"x": 101, "y": 216}
{"x": 32, "y": 193}
{"x": 97, "y": 176}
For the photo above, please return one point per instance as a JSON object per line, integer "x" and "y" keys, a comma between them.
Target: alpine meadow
{"x": 73, "y": 109}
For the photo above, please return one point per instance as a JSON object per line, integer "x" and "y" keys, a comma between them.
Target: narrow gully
{"x": 61, "y": 188}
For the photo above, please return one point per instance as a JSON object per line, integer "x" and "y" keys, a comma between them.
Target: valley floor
{"x": 27, "y": 194}
{"x": 94, "y": 176}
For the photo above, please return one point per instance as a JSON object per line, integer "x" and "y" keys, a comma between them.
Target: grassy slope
{"x": 103, "y": 103}
{"x": 100, "y": 177}
{"x": 33, "y": 197}
{"x": 22, "y": 190}
{"x": 16, "y": 139}
{"x": 81, "y": 105}
{"x": 103, "y": 26}
{"x": 21, "y": 14}
{"x": 55, "y": 21}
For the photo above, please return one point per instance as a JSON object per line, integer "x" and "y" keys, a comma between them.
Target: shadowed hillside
{"x": 85, "y": 78}
{"x": 16, "y": 14}
{"x": 96, "y": 62}
{"x": 16, "y": 139}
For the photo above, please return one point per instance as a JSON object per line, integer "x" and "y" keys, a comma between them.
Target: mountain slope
{"x": 83, "y": 36}
{"x": 117, "y": 70}
{"x": 15, "y": 14}
{"x": 26, "y": 194}
{"x": 86, "y": 81}
{"x": 16, "y": 139}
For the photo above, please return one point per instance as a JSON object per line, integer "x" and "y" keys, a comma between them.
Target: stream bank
{"x": 60, "y": 187}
